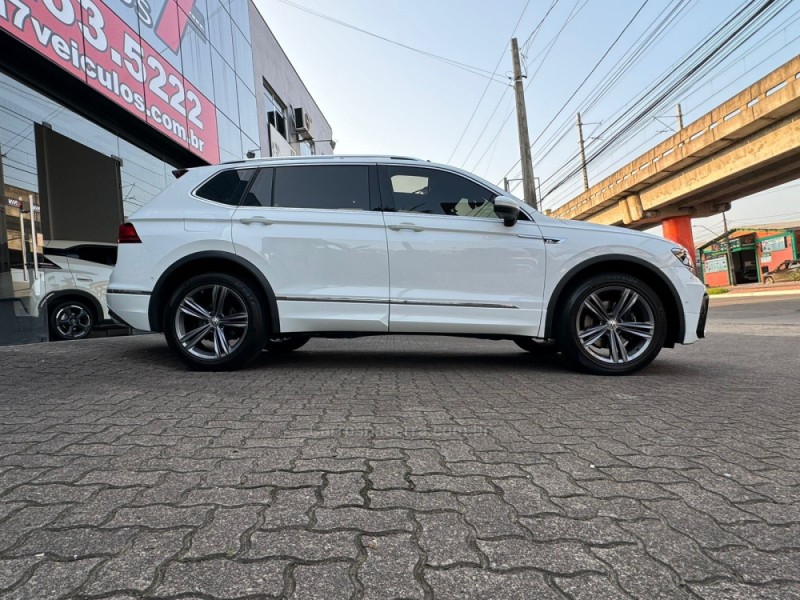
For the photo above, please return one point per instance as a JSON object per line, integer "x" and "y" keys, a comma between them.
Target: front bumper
{"x": 130, "y": 308}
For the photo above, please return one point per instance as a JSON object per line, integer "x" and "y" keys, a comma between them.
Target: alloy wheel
{"x": 73, "y": 321}
{"x": 615, "y": 324}
{"x": 211, "y": 321}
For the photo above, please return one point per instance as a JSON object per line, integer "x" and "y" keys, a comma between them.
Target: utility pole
{"x": 731, "y": 272}
{"x": 680, "y": 117}
{"x": 583, "y": 154}
{"x": 528, "y": 187}
{"x": 505, "y": 184}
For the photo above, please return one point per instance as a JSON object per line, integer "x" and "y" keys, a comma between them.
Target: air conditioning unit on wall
{"x": 302, "y": 123}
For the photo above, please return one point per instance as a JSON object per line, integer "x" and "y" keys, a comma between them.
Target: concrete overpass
{"x": 745, "y": 145}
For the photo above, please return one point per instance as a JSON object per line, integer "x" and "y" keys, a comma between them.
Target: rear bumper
{"x": 130, "y": 308}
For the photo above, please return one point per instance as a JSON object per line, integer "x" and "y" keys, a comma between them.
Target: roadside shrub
{"x": 717, "y": 291}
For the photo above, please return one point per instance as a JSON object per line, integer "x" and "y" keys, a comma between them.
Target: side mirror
{"x": 507, "y": 209}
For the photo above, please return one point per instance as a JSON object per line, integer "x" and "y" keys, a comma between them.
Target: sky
{"x": 381, "y": 98}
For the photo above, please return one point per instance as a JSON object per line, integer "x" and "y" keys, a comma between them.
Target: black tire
{"x": 71, "y": 320}
{"x": 646, "y": 317}
{"x": 216, "y": 346}
{"x": 284, "y": 344}
{"x": 537, "y": 347}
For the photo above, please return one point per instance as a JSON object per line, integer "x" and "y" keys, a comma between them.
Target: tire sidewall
{"x": 55, "y": 334}
{"x": 255, "y": 335}
{"x": 567, "y": 336}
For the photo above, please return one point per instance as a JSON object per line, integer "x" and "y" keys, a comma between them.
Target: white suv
{"x": 265, "y": 253}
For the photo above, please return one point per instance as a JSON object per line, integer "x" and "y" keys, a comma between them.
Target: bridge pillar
{"x": 679, "y": 229}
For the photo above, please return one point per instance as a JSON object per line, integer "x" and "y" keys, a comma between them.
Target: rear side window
{"x": 226, "y": 187}
{"x": 343, "y": 187}
{"x": 260, "y": 193}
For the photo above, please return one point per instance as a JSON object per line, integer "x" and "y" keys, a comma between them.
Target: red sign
{"x": 88, "y": 39}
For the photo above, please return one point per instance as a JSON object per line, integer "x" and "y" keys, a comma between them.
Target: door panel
{"x": 328, "y": 268}
{"x": 455, "y": 267}
{"x": 454, "y": 274}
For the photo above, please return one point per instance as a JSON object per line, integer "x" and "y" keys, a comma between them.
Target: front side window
{"x": 342, "y": 187}
{"x": 226, "y": 187}
{"x": 435, "y": 192}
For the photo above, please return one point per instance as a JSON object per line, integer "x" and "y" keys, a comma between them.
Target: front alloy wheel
{"x": 215, "y": 322}
{"x": 613, "y": 325}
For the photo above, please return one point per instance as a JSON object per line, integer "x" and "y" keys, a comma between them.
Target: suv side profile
{"x": 266, "y": 253}
{"x": 74, "y": 277}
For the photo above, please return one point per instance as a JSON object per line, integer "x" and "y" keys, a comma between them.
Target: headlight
{"x": 683, "y": 255}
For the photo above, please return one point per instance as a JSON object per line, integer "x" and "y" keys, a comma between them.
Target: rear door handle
{"x": 256, "y": 221}
{"x": 408, "y": 226}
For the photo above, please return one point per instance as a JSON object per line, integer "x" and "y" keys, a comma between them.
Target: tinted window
{"x": 226, "y": 187}
{"x": 322, "y": 186}
{"x": 260, "y": 193}
{"x": 98, "y": 254}
{"x": 438, "y": 193}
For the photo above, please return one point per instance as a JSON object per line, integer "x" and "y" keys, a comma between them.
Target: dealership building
{"x": 100, "y": 100}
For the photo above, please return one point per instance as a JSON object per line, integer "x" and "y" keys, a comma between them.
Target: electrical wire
{"x": 489, "y": 83}
{"x": 454, "y": 63}
{"x": 714, "y": 50}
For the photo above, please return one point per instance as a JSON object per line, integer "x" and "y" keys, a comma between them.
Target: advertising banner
{"x": 99, "y": 43}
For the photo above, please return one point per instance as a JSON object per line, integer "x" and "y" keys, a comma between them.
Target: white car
{"x": 237, "y": 257}
{"x": 69, "y": 281}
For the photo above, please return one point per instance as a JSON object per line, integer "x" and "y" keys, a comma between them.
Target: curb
{"x": 755, "y": 294}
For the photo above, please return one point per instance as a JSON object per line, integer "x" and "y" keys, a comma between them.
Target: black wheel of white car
{"x": 71, "y": 320}
{"x": 283, "y": 344}
{"x": 215, "y": 322}
{"x": 612, "y": 324}
{"x": 537, "y": 347}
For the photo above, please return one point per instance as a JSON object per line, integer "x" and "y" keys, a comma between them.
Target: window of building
{"x": 276, "y": 111}
{"x": 226, "y": 187}
{"x": 436, "y": 192}
{"x": 307, "y": 148}
{"x": 322, "y": 187}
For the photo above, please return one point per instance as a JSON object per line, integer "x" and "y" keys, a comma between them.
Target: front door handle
{"x": 256, "y": 221}
{"x": 408, "y": 226}
{"x": 83, "y": 278}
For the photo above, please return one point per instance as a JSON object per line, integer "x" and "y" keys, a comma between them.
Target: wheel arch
{"x": 207, "y": 262}
{"x": 630, "y": 265}
{"x": 67, "y": 295}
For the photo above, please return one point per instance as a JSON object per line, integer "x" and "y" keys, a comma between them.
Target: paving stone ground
{"x": 404, "y": 467}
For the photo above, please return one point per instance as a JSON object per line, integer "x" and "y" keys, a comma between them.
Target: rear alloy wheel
{"x": 768, "y": 281}
{"x": 283, "y": 344}
{"x": 71, "y": 320}
{"x": 613, "y": 324}
{"x": 215, "y": 322}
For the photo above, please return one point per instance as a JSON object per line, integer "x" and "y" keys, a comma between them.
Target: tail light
{"x": 128, "y": 235}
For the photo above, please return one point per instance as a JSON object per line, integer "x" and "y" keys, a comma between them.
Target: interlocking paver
{"x": 224, "y": 578}
{"x": 52, "y": 580}
{"x": 388, "y": 571}
{"x": 303, "y": 545}
{"x": 329, "y": 581}
{"x": 381, "y": 467}
{"x": 564, "y": 558}
{"x": 221, "y": 535}
{"x": 445, "y": 540}
{"x": 465, "y": 583}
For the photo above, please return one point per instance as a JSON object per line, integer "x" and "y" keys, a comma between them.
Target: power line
{"x": 488, "y": 83}
{"x": 573, "y": 13}
{"x": 715, "y": 49}
{"x": 454, "y": 63}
